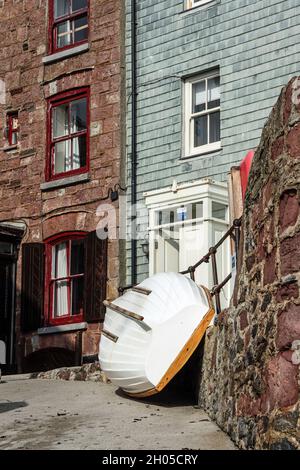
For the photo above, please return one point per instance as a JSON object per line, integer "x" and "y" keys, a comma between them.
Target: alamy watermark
{"x": 129, "y": 222}
{"x": 2, "y": 92}
{"x": 123, "y": 223}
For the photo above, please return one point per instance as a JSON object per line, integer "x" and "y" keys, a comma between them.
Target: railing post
{"x": 237, "y": 225}
{"x": 215, "y": 277}
{"x": 192, "y": 272}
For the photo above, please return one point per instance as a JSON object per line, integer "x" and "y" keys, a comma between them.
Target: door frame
{"x": 12, "y": 235}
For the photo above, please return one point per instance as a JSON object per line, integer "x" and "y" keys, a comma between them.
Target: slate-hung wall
{"x": 51, "y": 205}
{"x": 255, "y": 46}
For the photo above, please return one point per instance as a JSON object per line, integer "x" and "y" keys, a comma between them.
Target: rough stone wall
{"x": 28, "y": 84}
{"x": 250, "y": 373}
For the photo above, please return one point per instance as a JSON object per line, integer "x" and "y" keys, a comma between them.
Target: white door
{"x": 223, "y": 262}
{"x": 194, "y": 245}
{"x": 186, "y": 245}
{"x": 166, "y": 251}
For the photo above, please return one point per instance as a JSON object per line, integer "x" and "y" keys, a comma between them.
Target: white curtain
{"x": 60, "y": 287}
{"x": 63, "y": 160}
{"x": 60, "y": 120}
{"x": 76, "y": 153}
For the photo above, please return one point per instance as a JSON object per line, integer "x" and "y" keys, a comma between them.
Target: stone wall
{"x": 250, "y": 371}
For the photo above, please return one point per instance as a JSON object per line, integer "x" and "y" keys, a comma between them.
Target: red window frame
{"x": 57, "y": 100}
{"x": 49, "y": 282}
{"x": 10, "y": 131}
{"x": 53, "y": 24}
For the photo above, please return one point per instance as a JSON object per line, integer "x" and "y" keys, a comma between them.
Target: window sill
{"x": 65, "y": 54}
{"x": 48, "y": 330}
{"x": 63, "y": 182}
{"x": 9, "y": 148}
{"x": 204, "y": 6}
{"x": 202, "y": 154}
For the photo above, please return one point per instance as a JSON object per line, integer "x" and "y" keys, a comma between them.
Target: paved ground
{"x": 44, "y": 414}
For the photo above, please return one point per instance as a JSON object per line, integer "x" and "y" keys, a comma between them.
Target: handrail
{"x": 234, "y": 233}
{"x": 231, "y": 232}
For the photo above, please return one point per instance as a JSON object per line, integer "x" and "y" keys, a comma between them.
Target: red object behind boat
{"x": 245, "y": 170}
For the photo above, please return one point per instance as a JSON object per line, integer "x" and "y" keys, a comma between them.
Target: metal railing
{"x": 234, "y": 233}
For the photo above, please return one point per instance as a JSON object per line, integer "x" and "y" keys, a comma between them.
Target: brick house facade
{"x": 60, "y": 115}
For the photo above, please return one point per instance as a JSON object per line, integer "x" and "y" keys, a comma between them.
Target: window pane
{"x": 15, "y": 123}
{"x": 64, "y": 36}
{"x": 77, "y": 257}
{"x": 199, "y": 97}
{"x": 62, "y": 157}
{"x": 78, "y": 115}
{"x": 166, "y": 216}
{"x": 60, "y": 288}
{"x": 60, "y": 304}
{"x": 188, "y": 211}
{"x": 196, "y": 210}
{"x": 60, "y": 120}
{"x": 78, "y": 4}
{"x": 200, "y": 131}
{"x": 77, "y": 295}
{"x": 14, "y": 138}
{"x": 213, "y": 92}
{"x": 59, "y": 260}
{"x": 61, "y": 8}
{"x": 218, "y": 210}
{"x": 79, "y": 152}
{"x": 80, "y": 29}
{"x": 214, "y": 127}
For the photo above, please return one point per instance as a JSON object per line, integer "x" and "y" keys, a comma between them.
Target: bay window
{"x": 68, "y": 147}
{"x": 202, "y": 114}
{"x": 68, "y": 23}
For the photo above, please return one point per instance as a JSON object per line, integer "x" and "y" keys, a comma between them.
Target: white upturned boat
{"x": 152, "y": 330}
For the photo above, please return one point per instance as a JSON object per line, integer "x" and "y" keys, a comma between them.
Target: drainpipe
{"x": 133, "y": 142}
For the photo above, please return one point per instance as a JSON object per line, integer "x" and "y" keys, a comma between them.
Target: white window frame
{"x": 196, "y": 3}
{"x": 189, "y": 149}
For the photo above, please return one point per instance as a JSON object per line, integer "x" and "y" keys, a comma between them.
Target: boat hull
{"x": 152, "y": 336}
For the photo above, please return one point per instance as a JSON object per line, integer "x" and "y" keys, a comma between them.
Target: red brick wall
{"x": 23, "y": 38}
{"x": 250, "y": 379}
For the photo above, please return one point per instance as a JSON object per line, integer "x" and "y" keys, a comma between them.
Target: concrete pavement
{"x": 53, "y": 414}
